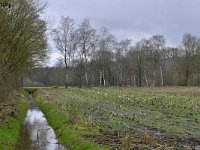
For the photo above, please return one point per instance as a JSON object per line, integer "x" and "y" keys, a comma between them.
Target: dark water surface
{"x": 36, "y": 134}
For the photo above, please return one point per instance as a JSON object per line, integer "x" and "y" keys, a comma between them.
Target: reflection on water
{"x": 36, "y": 133}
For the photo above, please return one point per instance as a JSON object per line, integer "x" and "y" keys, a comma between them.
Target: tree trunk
{"x": 86, "y": 74}
{"x": 73, "y": 77}
{"x": 154, "y": 78}
{"x": 140, "y": 70}
{"x": 66, "y": 78}
{"x": 140, "y": 77}
{"x": 22, "y": 80}
{"x": 92, "y": 79}
{"x": 145, "y": 76}
{"x": 121, "y": 76}
{"x": 161, "y": 76}
{"x": 86, "y": 78}
{"x": 113, "y": 80}
{"x": 100, "y": 78}
{"x": 65, "y": 60}
{"x": 80, "y": 81}
{"x": 104, "y": 80}
{"x": 134, "y": 78}
{"x": 186, "y": 75}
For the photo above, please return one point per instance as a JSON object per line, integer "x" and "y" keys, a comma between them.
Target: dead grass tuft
{"x": 150, "y": 139}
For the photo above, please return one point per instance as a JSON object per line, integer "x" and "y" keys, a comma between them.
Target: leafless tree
{"x": 64, "y": 38}
{"x": 122, "y": 50}
{"x": 104, "y": 53}
{"x": 86, "y": 39}
{"x": 189, "y": 48}
{"x": 157, "y": 46}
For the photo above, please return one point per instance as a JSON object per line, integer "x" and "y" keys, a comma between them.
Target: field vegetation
{"x": 125, "y": 118}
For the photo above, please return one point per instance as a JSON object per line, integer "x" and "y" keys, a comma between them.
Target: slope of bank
{"x": 12, "y": 114}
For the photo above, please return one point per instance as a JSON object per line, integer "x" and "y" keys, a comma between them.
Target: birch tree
{"x": 64, "y": 39}
{"x": 157, "y": 45}
{"x": 86, "y": 39}
{"x": 122, "y": 50}
{"x": 104, "y": 54}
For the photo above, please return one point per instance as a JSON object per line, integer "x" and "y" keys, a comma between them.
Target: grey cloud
{"x": 133, "y": 18}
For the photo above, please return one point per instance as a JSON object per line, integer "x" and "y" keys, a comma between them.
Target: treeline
{"x": 97, "y": 58}
{"x": 23, "y": 42}
{"x": 40, "y": 77}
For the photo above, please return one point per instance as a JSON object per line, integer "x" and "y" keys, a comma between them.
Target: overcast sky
{"x": 133, "y": 19}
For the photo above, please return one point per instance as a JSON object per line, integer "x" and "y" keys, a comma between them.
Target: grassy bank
{"x": 68, "y": 124}
{"x": 13, "y": 115}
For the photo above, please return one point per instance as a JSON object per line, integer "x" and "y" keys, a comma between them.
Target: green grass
{"x": 10, "y": 129}
{"x": 70, "y": 134}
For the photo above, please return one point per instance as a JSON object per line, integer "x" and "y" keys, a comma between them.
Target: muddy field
{"x": 134, "y": 118}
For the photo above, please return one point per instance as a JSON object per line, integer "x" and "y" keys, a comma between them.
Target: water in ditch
{"x": 36, "y": 134}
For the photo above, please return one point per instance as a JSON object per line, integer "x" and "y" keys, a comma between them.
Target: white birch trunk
{"x": 161, "y": 75}
{"x": 104, "y": 80}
